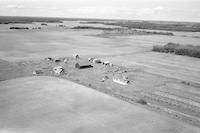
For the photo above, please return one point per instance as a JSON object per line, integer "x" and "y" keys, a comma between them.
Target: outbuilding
{"x": 90, "y": 59}
{"x": 57, "y": 60}
{"x": 36, "y": 72}
{"x": 107, "y": 63}
{"x": 96, "y": 61}
{"x": 82, "y": 65}
{"x": 76, "y": 56}
{"x": 49, "y": 59}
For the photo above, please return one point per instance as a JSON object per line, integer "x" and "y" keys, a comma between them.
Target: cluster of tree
{"x": 128, "y": 31}
{"x": 12, "y": 19}
{"x": 44, "y": 24}
{"x": 187, "y": 50}
{"x": 91, "y": 27}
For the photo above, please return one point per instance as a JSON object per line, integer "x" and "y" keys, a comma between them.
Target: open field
{"x": 165, "y": 92}
{"x": 170, "y": 84}
{"x": 47, "y": 104}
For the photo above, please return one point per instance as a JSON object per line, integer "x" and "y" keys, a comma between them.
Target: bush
{"x": 188, "y": 50}
{"x": 158, "y": 48}
{"x": 142, "y": 101}
{"x": 170, "y": 47}
{"x": 90, "y": 85}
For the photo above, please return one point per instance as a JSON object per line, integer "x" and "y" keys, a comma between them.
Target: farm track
{"x": 176, "y": 114}
{"x": 163, "y": 105}
{"x": 175, "y": 109}
{"x": 190, "y": 93}
{"x": 173, "y": 103}
{"x": 179, "y": 105}
{"x": 193, "y": 100}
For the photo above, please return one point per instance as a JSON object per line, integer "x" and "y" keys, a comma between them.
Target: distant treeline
{"x": 8, "y": 20}
{"x": 91, "y": 27}
{"x": 154, "y": 25}
{"x": 19, "y": 28}
{"x": 123, "y": 31}
{"x": 187, "y": 50}
{"x": 127, "y": 31}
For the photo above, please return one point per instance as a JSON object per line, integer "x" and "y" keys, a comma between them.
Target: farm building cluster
{"x": 90, "y": 63}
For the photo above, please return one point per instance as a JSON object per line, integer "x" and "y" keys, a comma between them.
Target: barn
{"x": 81, "y": 65}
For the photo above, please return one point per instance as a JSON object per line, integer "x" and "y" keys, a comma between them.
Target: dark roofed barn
{"x": 83, "y": 65}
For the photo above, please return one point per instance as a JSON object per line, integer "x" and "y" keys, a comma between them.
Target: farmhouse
{"x": 123, "y": 80}
{"x": 82, "y": 65}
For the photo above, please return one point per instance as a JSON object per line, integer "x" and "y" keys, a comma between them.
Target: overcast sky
{"x": 176, "y": 10}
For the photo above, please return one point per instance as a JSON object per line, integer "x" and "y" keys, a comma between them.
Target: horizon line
{"x": 111, "y": 19}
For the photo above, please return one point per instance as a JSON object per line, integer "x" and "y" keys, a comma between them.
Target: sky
{"x": 170, "y": 10}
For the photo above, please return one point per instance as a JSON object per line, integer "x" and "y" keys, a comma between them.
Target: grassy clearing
{"x": 187, "y": 50}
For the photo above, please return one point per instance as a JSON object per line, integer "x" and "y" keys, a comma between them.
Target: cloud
{"x": 99, "y": 12}
{"x": 94, "y": 10}
{"x": 159, "y": 8}
{"x": 117, "y": 9}
{"x": 149, "y": 11}
{"x": 15, "y": 6}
